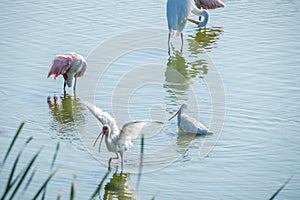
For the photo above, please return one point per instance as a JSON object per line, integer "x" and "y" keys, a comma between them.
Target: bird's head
{"x": 105, "y": 131}
{"x": 183, "y": 106}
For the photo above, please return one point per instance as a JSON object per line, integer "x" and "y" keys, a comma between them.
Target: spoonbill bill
{"x": 188, "y": 124}
{"x": 69, "y": 65}
{"x": 116, "y": 140}
{"x": 177, "y": 15}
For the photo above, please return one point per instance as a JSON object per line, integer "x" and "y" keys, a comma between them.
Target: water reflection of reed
{"x": 65, "y": 110}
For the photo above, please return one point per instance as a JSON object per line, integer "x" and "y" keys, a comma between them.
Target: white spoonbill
{"x": 116, "y": 140}
{"x": 69, "y": 65}
{"x": 188, "y": 124}
{"x": 177, "y": 15}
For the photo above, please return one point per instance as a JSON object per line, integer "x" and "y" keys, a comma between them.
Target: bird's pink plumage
{"x": 209, "y": 4}
{"x": 60, "y": 65}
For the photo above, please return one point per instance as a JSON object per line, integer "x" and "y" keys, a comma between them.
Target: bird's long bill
{"x": 193, "y": 21}
{"x": 174, "y": 115}
{"x": 100, "y": 140}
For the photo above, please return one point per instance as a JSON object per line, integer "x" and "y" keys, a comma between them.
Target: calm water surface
{"x": 253, "y": 45}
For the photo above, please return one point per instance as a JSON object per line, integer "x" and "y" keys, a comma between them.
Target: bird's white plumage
{"x": 103, "y": 117}
{"x": 131, "y": 130}
{"x": 178, "y": 12}
{"x": 191, "y": 125}
{"x": 188, "y": 124}
{"x": 117, "y": 141}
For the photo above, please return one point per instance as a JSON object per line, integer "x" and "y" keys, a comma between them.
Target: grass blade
{"x": 44, "y": 194}
{"x": 29, "y": 180}
{"x": 141, "y": 162}
{"x": 277, "y": 192}
{"x": 12, "y": 143}
{"x": 58, "y": 196}
{"x": 73, "y": 188}
{"x": 55, "y": 155}
{"x": 45, "y": 184}
{"x": 25, "y": 173}
{"x": 9, "y": 182}
{"x": 100, "y": 185}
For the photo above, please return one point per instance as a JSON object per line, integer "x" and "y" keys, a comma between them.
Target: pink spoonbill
{"x": 69, "y": 65}
{"x": 116, "y": 140}
{"x": 188, "y": 124}
{"x": 177, "y": 15}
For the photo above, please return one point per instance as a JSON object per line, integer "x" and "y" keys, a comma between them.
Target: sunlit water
{"x": 254, "y": 47}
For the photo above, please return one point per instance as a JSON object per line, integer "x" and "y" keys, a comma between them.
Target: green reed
{"x": 17, "y": 179}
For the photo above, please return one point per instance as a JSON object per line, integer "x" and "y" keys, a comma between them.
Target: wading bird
{"x": 177, "y": 15}
{"x": 188, "y": 124}
{"x": 69, "y": 65}
{"x": 116, "y": 140}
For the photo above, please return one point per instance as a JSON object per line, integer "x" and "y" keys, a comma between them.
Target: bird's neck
{"x": 179, "y": 117}
{"x": 205, "y": 15}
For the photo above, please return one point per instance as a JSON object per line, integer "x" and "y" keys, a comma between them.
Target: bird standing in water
{"x": 69, "y": 65}
{"x": 188, "y": 124}
{"x": 177, "y": 15}
{"x": 116, "y": 140}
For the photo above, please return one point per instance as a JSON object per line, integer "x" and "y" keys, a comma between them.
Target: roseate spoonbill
{"x": 69, "y": 65}
{"x": 177, "y": 15}
{"x": 188, "y": 124}
{"x": 116, "y": 140}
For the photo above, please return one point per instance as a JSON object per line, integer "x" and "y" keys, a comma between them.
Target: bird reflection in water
{"x": 182, "y": 67}
{"x": 65, "y": 110}
{"x": 184, "y": 140}
{"x": 205, "y": 38}
{"x": 119, "y": 187}
{"x": 180, "y": 72}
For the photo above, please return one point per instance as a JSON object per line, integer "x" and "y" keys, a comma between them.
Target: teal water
{"x": 252, "y": 45}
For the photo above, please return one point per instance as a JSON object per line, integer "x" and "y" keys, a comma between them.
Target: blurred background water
{"x": 253, "y": 45}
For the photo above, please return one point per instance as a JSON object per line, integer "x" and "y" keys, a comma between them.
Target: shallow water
{"x": 248, "y": 54}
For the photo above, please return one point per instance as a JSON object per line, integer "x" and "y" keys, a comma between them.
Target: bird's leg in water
{"x": 74, "y": 88}
{"x": 181, "y": 34}
{"x": 110, "y": 159}
{"x": 65, "y": 83}
{"x": 122, "y": 160}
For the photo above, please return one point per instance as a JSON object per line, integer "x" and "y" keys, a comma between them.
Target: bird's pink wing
{"x": 209, "y": 4}
{"x": 60, "y": 65}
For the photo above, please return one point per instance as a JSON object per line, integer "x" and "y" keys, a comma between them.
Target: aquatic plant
{"x": 17, "y": 178}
